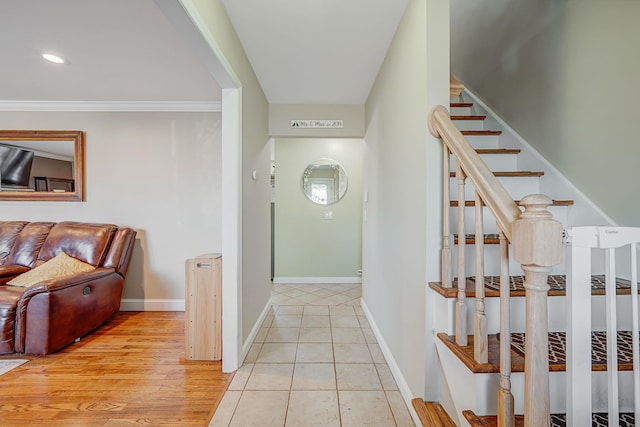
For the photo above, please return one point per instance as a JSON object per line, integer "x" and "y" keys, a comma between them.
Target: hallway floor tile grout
{"x": 314, "y": 362}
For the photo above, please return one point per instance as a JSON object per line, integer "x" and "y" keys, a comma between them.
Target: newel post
{"x": 537, "y": 245}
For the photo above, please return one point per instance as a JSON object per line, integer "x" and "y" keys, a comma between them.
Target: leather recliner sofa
{"x": 48, "y": 315}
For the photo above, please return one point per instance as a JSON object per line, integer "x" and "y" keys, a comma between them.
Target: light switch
{"x": 328, "y": 215}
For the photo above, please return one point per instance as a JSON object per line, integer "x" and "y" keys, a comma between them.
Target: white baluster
{"x": 634, "y": 331}
{"x": 461, "y": 307}
{"x": 480, "y": 340}
{"x": 612, "y": 341}
{"x": 578, "y": 296}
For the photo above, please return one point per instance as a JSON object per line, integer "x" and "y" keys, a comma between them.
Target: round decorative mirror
{"x": 324, "y": 182}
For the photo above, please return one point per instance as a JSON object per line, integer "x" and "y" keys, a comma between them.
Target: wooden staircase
{"x": 472, "y": 125}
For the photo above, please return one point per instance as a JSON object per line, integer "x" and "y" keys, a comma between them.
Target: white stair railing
{"x": 581, "y": 242}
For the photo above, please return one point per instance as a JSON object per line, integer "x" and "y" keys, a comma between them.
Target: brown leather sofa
{"x": 51, "y": 314}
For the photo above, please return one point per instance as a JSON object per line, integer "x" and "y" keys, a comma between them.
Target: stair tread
{"x": 481, "y": 132}
{"x": 557, "y": 420}
{"x": 431, "y": 414}
{"x": 461, "y": 104}
{"x": 469, "y": 117}
{"x": 557, "y": 284}
{"x": 557, "y": 354}
{"x": 454, "y": 203}
{"x": 498, "y": 150}
{"x": 510, "y": 174}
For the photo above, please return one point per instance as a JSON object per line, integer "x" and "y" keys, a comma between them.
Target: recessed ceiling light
{"x": 53, "y": 58}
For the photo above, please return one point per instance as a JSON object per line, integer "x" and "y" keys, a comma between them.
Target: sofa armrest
{"x": 68, "y": 281}
{"x": 52, "y": 313}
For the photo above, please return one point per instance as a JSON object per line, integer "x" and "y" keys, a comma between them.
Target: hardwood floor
{"x": 130, "y": 371}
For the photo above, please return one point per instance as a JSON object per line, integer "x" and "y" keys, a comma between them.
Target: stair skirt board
{"x": 315, "y": 280}
{"x": 478, "y": 392}
{"x": 135, "y": 304}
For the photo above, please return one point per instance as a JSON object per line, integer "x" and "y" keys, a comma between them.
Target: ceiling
{"x": 303, "y": 51}
{"x": 117, "y": 50}
{"x": 316, "y": 51}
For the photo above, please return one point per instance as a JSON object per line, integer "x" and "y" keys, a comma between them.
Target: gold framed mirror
{"x": 324, "y": 182}
{"x": 42, "y": 165}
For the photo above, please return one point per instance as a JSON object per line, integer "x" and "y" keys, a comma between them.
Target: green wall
{"x": 402, "y": 173}
{"x": 307, "y": 245}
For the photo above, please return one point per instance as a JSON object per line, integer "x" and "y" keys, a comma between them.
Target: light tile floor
{"x": 314, "y": 362}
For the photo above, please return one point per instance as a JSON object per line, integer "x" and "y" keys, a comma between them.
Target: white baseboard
{"x": 246, "y": 346}
{"x": 393, "y": 365}
{"x": 313, "y": 280}
{"x": 133, "y": 304}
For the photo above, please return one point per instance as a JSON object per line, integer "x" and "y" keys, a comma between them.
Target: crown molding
{"x": 107, "y": 106}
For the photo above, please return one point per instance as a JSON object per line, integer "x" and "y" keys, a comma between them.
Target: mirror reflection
{"x": 41, "y": 165}
{"x": 324, "y": 182}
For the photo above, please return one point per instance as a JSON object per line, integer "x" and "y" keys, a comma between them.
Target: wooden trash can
{"x": 203, "y": 307}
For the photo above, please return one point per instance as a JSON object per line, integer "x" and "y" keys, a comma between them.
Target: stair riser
{"x": 559, "y": 214}
{"x": 469, "y": 124}
{"x": 495, "y": 162}
{"x": 557, "y": 392}
{"x": 478, "y": 392}
{"x": 517, "y": 187}
{"x": 461, "y": 111}
{"x": 491, "y": 262}
{"x": 556, "y": 317}
{"x": 483, "y": 141}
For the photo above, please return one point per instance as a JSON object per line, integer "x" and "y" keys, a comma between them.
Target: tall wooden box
{"x": 203, "y": 307}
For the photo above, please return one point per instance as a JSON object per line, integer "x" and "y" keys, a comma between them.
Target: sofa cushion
{"x": 28, "y": 244}
{"x": 86, "y": 242}
{"x": 60, "y": 266}
{"x": 9, "y": 231}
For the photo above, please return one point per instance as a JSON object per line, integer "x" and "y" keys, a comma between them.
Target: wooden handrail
{"x": 495, "y": 197}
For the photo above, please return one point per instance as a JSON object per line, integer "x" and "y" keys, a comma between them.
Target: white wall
{"x": 307, "y": 245}
{"x": 256, "y": 194}
{"x": 567, "y": 88}
{"x": 156, "y": 172}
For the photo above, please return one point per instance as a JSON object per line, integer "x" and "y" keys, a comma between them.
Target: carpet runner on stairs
{"x": 557, "y": 420}
{"x": 558, "y": 348}
{"x": 557, "y": 285}
{"x": 556, "y": 282}
{"x": 557, "y": 352}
